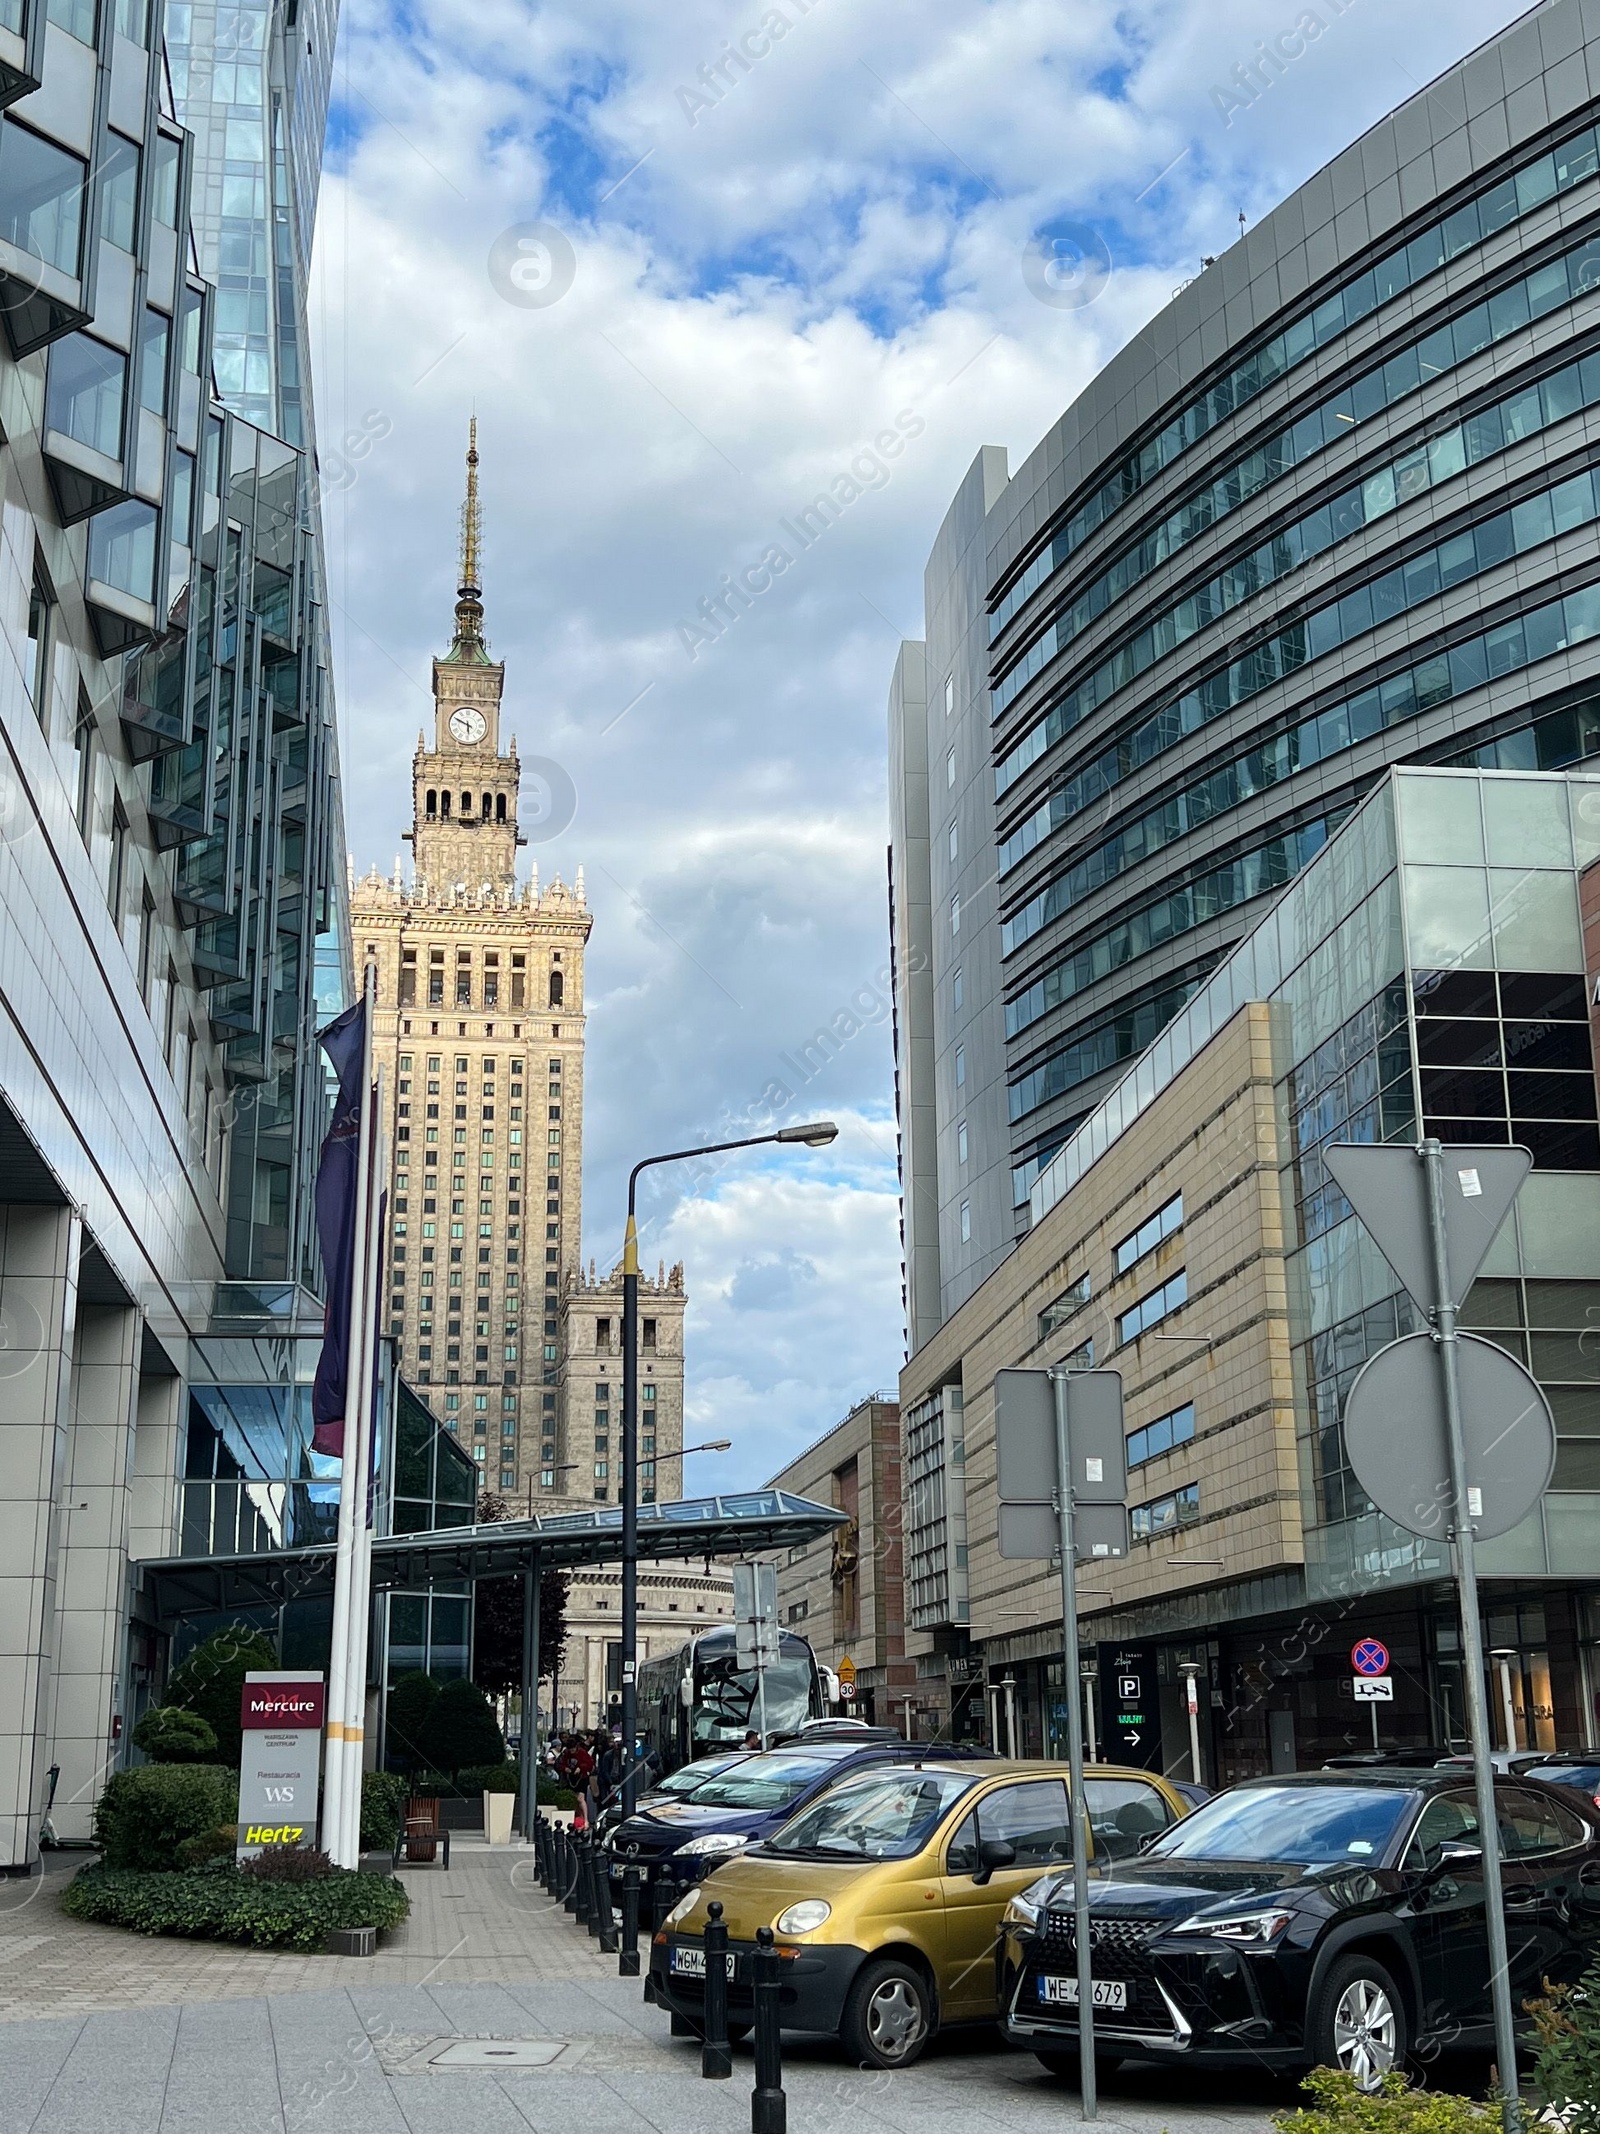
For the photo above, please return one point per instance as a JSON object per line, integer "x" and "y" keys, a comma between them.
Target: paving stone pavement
{"x": 110, "y": 2033}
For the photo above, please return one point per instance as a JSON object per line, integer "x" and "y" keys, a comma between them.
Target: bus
{"x": 698, "y": 1698}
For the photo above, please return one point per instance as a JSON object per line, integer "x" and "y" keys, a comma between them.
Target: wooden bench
{"x": 422, "y": 1832}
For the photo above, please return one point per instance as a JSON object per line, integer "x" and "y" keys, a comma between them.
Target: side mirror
{"x": 1456, "y": 1853}
{"x": 993, "y": 1853}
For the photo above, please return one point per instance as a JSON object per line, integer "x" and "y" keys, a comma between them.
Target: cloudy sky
{"x": 681, "y": 303}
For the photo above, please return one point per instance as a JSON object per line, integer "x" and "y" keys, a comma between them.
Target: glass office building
{"x": 1331, "y": 509}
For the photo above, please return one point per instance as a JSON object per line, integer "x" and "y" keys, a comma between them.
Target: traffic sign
{"x": 1508, "y": 1437}
{"x": 1373, "y": 1689}
{"x": 1388, "y": 1188}
{"x": 1099, "y": 1531}
{"x": 847, "y": 1673}
{"x": 1370, "y": 1657}
{"x": 1025, "y": 1437}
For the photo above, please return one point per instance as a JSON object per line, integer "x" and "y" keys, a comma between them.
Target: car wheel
{"x": 888, "y": 2017}
{"x": 1359, "y": 2023}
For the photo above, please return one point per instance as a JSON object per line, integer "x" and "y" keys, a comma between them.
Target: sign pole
{"x": 1077, "y": 1806}
{"x": 1432, "y": 1154}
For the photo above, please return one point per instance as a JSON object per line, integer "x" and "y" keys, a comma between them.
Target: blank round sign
{"x": 1394, "y": 1434}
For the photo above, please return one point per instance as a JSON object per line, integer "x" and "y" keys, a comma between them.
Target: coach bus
{"x": 698, "y": 1698}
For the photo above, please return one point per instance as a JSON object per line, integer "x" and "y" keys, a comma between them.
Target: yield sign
{"x": 1388, "y": 1188}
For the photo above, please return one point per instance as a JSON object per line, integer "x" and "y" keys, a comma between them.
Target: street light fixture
{"x": 815, "y": 1133}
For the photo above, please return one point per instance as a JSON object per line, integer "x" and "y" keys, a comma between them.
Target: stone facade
{"x": 845, "y": 1594}
{"x": 588, "y": 1440}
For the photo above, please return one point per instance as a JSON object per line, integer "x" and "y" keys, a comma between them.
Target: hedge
{"x": 143, "y": 1816}
{"x": 224, "y": 1905}
{"x": 383, "y": 1802}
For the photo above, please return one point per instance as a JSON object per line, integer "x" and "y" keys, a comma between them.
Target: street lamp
{"x": 815, "y": 1133}
{"x": 714, "y": 1444}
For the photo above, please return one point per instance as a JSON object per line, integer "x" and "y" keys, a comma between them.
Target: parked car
{"x": 685, "y": 1780}
{"x": 677, "y": 1843}
{"x": 1580, "y": 1771}
{"x": 885, "y": 1892}
{"x": 1335, "y": 1919}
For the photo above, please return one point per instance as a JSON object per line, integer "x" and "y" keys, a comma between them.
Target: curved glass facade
{"x": 1332, "y": 510}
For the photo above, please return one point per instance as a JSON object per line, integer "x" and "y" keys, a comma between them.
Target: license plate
{"x": 1063, "y": 1992}
{"x": 689, "y": 1963}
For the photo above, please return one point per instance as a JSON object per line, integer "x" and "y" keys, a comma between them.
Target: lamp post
{"x": 712, "y": 1444}
{"x": 816, "y": 1134}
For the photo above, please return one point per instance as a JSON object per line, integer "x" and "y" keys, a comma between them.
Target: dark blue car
{"x": 677, "y": 1843}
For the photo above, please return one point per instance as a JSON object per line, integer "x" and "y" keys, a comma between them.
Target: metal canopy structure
{"x": 698, "y": 1526}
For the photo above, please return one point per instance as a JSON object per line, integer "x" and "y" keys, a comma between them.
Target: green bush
{"x": 288, "y": 1863}
{"x": 1394, "y": 2108}
{"x": 219, "y": 1844}
{"x": 411, "y": 1699}
{"x": 383, "y": 1803}
{"x": 170, "y": 1734}
{"x": 211, "y": 1682}
{"x": 551, "y": 1794}
{"x": 489, "y": 1778}
{"x": 231, "y": 1906}
{"x": 461, "y": 1729}
{"x": 1566, "y": 2066}
{"x": 143, "y": 1816}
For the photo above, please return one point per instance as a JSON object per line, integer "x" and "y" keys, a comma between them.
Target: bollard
{"x": 541, "y": 1861}
{"x": 580, "y": 1880}
{"x": 628, "y": 1956}
{"x": 769, "y": 2108}
{"x": 716, "y": 2058}
{"x": 591, "y": 1891}
{"x": 604, "y": 1915}
{"x": 569, "y": 1874}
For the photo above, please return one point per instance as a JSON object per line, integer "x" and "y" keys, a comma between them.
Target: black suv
{"x": 1334, "y": 1919}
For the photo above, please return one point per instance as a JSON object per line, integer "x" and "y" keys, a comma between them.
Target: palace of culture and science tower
{"x": 480, "y": 1029}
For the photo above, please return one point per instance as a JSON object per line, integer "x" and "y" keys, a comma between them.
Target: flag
{"x": 345, "y": 1043}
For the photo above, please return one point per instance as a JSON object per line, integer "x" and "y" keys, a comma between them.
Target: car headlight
{"x": 684, "y": 1906}
{"x": 1257, "y": 1927}
{"x": 1027, "y": 1904}
{"x": 801, "y": 1918}
{"x": 714, "y": 1841}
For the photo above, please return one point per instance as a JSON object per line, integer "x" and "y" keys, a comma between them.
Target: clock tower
{"x": 464, "y": 790}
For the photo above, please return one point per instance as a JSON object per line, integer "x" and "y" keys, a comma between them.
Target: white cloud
{"x": 838, "y": 240}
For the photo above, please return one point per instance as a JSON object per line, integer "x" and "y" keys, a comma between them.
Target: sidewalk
{"x": 109, "y": 2033}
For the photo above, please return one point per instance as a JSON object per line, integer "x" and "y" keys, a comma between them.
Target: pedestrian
{"x": 752, "y": 1740}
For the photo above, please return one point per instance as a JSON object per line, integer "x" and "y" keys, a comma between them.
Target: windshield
{"x": 1584, "y": 1775}
{"x": 729, "y": 1700}
{"x": 882, "y": 1815}
{"x": 763, "y": 1781}
{"x": 1302, "y": 1824}
{"x": 693, "y": 1776}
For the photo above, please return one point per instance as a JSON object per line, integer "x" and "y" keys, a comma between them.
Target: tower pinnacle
{"x": 467, "y": 647}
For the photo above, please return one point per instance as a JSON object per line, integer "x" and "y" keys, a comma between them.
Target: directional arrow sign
{"x": 1388, "y": 1188}
{"x": 1508, "y": 1437}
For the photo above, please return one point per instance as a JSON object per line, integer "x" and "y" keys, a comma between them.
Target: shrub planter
{"x": 220, "y": 1903}
{"x": 497, "y": 1812}
{"x": 352, "y": 1941}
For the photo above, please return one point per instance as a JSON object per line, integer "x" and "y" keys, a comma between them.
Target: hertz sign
{"x": 280, "y": 1759}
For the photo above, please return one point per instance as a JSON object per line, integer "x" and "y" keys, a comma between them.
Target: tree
{"x": 169, "y": 1734}
{"x": 461, "y": 1729}
{"x": 497, "y": 1618}
{"x": 211, "y": 1682}
{"x": 411, "y": 1699}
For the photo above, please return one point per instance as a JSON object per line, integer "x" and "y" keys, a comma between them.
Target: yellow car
{"x": 885, "y": 1896}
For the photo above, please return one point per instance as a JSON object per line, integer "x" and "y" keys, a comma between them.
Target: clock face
{"x": 468, "y": 724}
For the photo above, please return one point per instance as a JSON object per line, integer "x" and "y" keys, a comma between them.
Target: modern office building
{"x": 1432, "y": 971}
{"x": 1326, "y": 512}
{"x": 171, "y": 863}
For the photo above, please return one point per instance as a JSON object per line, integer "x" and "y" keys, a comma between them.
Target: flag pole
{"x": 369, "y": 1246}
{"x": 352, "y": 1482}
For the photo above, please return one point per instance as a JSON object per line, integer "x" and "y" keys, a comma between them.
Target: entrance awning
{"x": 758, "y": 1521}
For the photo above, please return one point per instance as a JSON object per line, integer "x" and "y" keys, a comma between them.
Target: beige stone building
{"x": 845, "y": 1594}
{"x": 676, "y": 1602}
{"x": 1166, "y": 1260}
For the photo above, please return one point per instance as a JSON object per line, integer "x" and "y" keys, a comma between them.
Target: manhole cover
{"x": 499, "y": 2052}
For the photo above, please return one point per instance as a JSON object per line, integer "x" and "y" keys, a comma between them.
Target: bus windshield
{"x": 729, "y": 1702}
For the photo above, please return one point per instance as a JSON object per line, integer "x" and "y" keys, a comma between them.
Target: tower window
{"x": 519, "y": 980}
{"x": 444, "y": 804}
{"x": 557, "y": 987}
{"x": 486, "y": 800}
{"x": 491, "y": 980}
{"x": 408, "y": 978}
{"x": 464, "y": 978}
{"x": 433, "y": 802}
{"x": 499, "y": 807}
{"x": 466, "y": 803}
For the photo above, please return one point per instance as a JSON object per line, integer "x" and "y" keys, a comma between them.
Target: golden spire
{"x": 468, "y": 645}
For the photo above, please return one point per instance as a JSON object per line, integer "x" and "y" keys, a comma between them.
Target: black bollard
{"x": 769, "y": 2108}
{"x": 541, "y": 1863}
{"x": 628, "y": 1957}
{"x": 580, "y": 1877}
{"x": 567, "y": 1863}
{"x": 716, "y": 2057}
{"x": 604, "y": 1913}
{"x": 591, "y": 1890}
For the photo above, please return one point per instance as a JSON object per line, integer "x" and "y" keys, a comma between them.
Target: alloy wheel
{"x": 895, "y": 2019}
{"x": 1365, "y": 2032}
